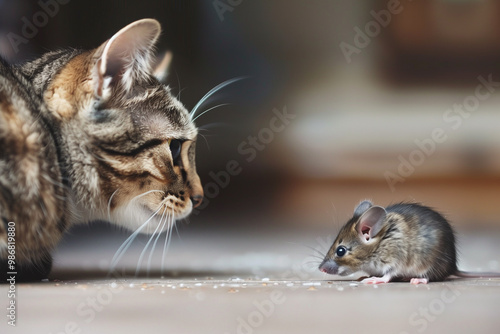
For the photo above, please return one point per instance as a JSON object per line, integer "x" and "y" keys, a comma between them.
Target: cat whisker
{"x": 209, "y": 109}
{"x": 213, "y": 91}
{"x": 126, "y": 244}
{"x": 109, "y": 204}
{"x": 206, "y": 135}
{"x": 177, "y": 231}
{"x": 139, "y": 262}
{"x": 178, "y": 96}
{"x": 168, "y": 236}
{"x": 205, "y": 139}
{"x": 186, "y": 221}
{"x": 144, "y": 194}
{"x": 163, "y": 222}
{"x": 213, "y": 125}
{"x": 131, "y": 201}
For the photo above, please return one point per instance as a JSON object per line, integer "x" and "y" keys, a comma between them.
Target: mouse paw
{"x": 376, "y": 280}
{"x": 419, "y": 281}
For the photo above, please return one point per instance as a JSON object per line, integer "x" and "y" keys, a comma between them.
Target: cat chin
{"x": 139, "y": 217}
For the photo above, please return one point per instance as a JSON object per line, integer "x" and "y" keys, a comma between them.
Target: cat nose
{"x": 196, "y": 199}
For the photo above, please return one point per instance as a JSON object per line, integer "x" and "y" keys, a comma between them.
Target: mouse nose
{"x": 197, "y": 199}
{"x": 329, "y": 266}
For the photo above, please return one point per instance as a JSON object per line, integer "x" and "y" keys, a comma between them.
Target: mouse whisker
{"x": 317, "y": 257}
{"x": 311, "y": 264}
{"x": 317, "y": 251}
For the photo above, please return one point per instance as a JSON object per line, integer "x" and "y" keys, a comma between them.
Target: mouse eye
{"x": 341, "y": 250}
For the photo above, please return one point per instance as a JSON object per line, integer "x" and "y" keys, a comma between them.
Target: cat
{"x": 91, "y": 135}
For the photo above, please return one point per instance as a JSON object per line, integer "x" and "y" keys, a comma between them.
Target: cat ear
{"x": 362, "y": 207}
{"x": 371, "y": 222}
{"x": 126, "y": 56}
{"x": 161, "y": 70}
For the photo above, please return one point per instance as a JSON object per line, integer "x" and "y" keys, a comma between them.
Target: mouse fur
{"x": 405, "y": 241}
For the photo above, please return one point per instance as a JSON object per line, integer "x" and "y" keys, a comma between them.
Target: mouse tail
{"x": 470, "y": 274}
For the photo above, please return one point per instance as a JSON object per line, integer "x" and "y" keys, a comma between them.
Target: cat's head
{"x": 129, "y": 145}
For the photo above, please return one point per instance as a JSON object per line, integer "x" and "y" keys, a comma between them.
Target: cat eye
{"x": 341, "y": 250}
{"x": 175, "y": 148}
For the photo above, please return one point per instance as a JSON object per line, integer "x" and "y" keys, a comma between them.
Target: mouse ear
{"x": 371, "y": 222}
{"x": 362, "y": 207}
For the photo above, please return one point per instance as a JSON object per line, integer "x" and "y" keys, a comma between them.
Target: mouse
{"x": 401, "y": 242}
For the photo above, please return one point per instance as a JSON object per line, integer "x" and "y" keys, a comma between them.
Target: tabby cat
{"x": 91, "y": 135}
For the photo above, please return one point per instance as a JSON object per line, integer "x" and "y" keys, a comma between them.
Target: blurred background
{"x": 345, "y": 100}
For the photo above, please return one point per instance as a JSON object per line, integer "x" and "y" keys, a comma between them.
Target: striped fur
{"x": 87, "y": 135}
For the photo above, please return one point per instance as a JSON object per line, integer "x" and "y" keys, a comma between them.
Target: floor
{"x": 245, "y": 281}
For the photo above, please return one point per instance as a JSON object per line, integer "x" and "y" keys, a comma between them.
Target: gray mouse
{"x": 405, "y": 241}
